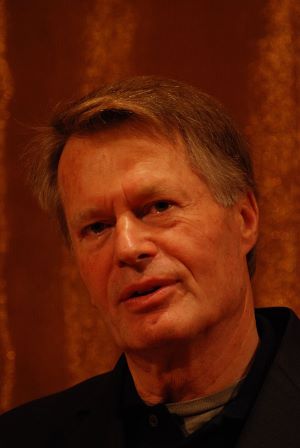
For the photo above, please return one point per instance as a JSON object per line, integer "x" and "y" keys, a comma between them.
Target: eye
{"x": 160, "y": 206}
{"x": 95, "y": 228}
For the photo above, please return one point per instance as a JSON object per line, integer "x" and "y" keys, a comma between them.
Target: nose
{"x": 133, "y": 243}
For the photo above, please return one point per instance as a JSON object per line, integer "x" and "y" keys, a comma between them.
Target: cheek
{"x": 205, "y": 246}
{"x": 94, "y": 273}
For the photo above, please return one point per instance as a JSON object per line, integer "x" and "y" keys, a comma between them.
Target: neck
{"x": 191, "y": 369}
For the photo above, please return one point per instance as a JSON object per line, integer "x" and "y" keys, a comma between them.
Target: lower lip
{"x": 150, "y": 301}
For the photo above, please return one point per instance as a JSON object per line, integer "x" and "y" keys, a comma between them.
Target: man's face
{"x": 159, "y": 256}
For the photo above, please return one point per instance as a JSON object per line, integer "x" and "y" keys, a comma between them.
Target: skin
{"x": 139, "y": 217}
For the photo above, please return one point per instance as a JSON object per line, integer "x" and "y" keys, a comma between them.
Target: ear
{"x": 248, "y": 216}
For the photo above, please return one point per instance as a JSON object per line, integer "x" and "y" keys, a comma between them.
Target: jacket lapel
{"x": 99, "y": 424}
{"x": 275, "y": 417}
{"x": 99, "y": 429}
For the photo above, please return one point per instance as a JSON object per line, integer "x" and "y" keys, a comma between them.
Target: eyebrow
{"x": 86, "y": 215}
{"x": 147, "y": 192}
{"x": 144, "y": 193}
{"x": 152, "y": 190}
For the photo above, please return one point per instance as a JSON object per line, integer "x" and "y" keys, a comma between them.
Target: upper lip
{"x": 143, "y": 286}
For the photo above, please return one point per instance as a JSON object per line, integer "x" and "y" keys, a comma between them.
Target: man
{"x": 154, "y": 191}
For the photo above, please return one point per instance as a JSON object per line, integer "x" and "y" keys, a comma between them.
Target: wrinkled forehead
{"x": 128, "y": 130}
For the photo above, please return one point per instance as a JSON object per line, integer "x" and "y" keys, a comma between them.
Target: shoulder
{"x": 275, "y": 415}
{"x": 286, "y": 326}
{"x": 83, "y": 393}
{"x": 40, "y": 420}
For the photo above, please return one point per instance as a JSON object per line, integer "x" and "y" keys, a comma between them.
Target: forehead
{"x": 121, "y": 148}
{"x": 106, "y": 166}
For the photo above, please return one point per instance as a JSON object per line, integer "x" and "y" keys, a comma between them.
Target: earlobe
{"x": 249, "y": 215}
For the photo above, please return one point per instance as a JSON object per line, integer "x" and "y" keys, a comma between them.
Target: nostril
{"x": 134, "y": 252}
{"x": 135, "y": 260}
{"x": 142, "y": 256}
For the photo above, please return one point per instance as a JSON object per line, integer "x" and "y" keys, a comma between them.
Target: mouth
{"x": 145, "y": 292}
{"x": 144, "y": 289}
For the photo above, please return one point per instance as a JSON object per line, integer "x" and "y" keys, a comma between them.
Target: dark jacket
{"x": 88, "y": 414}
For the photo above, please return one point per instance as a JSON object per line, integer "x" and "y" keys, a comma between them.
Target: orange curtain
{"x": 245, "y": 53}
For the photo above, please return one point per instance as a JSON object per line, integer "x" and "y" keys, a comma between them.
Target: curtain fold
{"x": 7, "y": 351}
{"x": 274, "y": 134}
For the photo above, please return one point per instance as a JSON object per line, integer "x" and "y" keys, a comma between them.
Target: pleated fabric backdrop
{"x": 245, "y": 53}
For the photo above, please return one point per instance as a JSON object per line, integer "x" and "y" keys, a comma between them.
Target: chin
{"x": 158, "y": 336}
